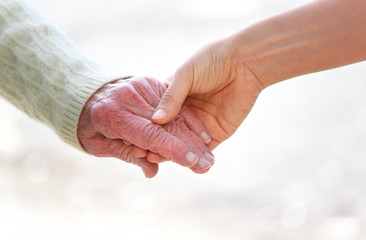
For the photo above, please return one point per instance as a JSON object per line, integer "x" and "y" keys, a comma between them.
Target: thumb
{"x": 173, "y": 99}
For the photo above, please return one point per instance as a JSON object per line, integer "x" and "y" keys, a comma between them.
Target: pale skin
{"x": 222, "y": 81}
{"x": 118, "y": 115}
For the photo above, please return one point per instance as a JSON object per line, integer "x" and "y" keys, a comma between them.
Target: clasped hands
{"x": 141, "y": 121}
{"x": 116, "y": 122}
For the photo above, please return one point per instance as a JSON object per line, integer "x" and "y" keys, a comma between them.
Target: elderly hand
{"x": 119, "y": 114}
{"x": 221, "y": 91}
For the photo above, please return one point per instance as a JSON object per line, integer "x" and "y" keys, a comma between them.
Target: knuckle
{"x": 127, "y": 91}
{"x": 107, "y": 117}
{"x": 137, "y": 81}
{"x": 176, "y": 127}
{"x": 150, "y": 133}
{"x": 125, "y": 154}
{"x": 130, "y": 97}
{"x": 156, "y": 140}
{"x": 99, "y": 110}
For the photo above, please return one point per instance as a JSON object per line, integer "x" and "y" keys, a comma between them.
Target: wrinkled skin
{"x": 220, "y": 89}
{"x": 115, "y": 122}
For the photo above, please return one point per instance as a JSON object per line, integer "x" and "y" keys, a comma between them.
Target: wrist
{"x": 251, "y": 49}
{"x": 245, "y": 65}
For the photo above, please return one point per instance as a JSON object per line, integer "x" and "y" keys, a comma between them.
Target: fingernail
{"x": 159, "y": 114}
{"x": 145, "y": 172}
{"x": 209, "y": 158}
{"x": 205, "y": 137}
{"x": 204, "y": 164}
{"x": 192, "y": 158}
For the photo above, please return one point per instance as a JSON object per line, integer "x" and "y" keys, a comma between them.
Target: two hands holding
{"x": 142, "y": 121}
{"x": 116, "y": 122}
{"x": 145, "y": 122}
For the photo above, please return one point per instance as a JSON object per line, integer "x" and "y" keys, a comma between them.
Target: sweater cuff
{"x": 76, "y": 103}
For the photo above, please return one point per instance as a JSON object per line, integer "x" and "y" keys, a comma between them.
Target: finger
{"x": 126, "y": 153}
{"x": 178, "y": 128}
{"x": 195, "y": 124}
{"x": 172, "y": 100}
{"x": 126, "y": 142}
{"x": 165, "y": 84}
{"x": 155, "y": 158}
{"x": 139, "y": 152}
{"x": 135, "y": 102}
{"x": 202, "y": 166}
{"x": 102, "y": 147}
{"x": 147, "y": 135}
{"x": 149, "y": 169}
{"x": 151, "y": 90}
{"x": 167, "y": 81}
{"x": 214, "y": 144}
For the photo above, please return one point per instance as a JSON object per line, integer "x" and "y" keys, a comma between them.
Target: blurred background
{"x": 294, "y": 170}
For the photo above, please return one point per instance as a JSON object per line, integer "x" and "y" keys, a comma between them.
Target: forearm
{"x": 41, "y": 72}
{"x": 321, "y": 35}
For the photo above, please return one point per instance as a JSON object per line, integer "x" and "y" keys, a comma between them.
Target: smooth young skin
{"x": 118, "y": 116}
{"x": 221, "y": 91}
{"x": 222, "y": 81}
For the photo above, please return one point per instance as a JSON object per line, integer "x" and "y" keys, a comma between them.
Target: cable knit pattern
{"x": 41, "y": 72}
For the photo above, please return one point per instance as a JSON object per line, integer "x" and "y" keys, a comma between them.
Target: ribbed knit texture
{"x": 41, "y": 72}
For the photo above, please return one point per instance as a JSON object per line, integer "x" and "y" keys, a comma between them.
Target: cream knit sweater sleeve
{"x": 41, "y": 72}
